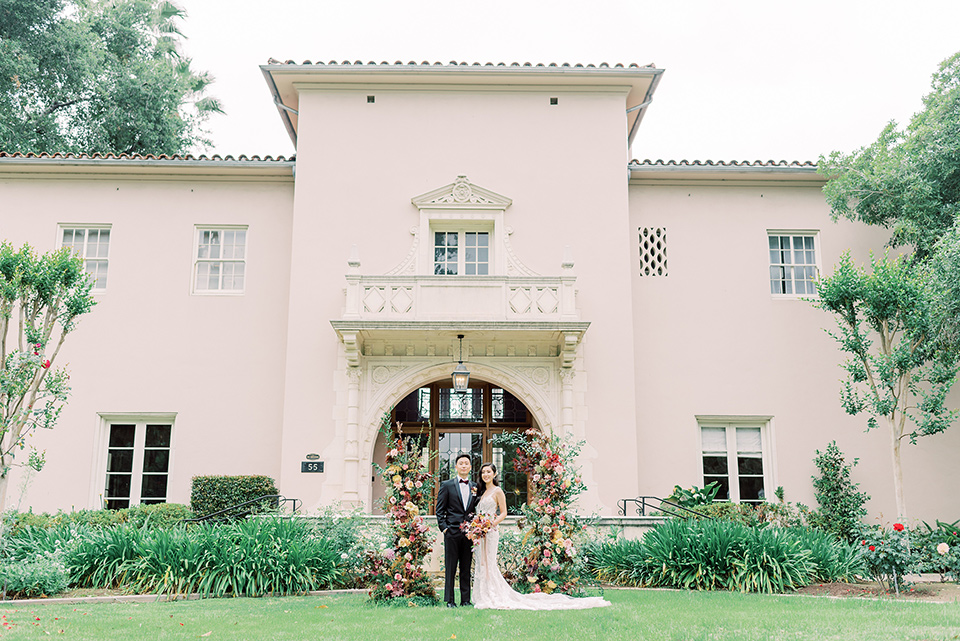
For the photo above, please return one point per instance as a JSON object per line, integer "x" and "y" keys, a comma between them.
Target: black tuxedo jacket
{"x": 450, "y": 510}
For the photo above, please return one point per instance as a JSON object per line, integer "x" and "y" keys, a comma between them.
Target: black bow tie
{"x": 462, "y": 481}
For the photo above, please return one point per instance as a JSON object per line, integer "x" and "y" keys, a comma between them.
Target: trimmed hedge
{"x": 160, "y": 515}
{"x": 209, "y": 494}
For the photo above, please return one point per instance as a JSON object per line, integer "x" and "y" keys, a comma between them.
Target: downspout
{"x": 282, "y": 108}
{"x": 647, "y": 99}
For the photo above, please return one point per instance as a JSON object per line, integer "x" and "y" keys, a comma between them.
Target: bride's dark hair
{"x": 483, "y": 486}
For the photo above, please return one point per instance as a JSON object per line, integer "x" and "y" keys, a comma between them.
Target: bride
{"x": 490, "y": 589}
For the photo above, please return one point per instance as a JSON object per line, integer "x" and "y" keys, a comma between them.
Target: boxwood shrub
{"x": 209, "y": 494}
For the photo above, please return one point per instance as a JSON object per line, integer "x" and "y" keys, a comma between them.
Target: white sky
{"x": 744, "y": 79}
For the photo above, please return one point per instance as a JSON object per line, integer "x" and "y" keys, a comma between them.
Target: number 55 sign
{"x": 311, "y": 466}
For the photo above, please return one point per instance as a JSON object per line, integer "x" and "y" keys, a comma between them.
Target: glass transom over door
{"x": 467, "y": 422}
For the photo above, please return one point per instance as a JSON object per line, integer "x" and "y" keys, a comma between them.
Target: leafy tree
{"x": 908, "y": 180}
{"x": 41, "y": 300}
{"x": 841, "y": 503}
{"x": 900, "y": 366}
{"x": 98, "y": 76}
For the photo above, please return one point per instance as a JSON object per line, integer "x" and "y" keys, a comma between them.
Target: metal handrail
{"x": 642, "y": 503}
{"x": 280, "y": 500}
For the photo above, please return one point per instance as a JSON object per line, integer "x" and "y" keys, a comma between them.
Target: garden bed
{"x": 934, "y": 592}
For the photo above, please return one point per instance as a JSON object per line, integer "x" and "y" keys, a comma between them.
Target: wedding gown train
{"x": 491, "y": 591}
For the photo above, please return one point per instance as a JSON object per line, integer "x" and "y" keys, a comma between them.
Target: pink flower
{"x": 389, "y": 554}
{"x": 398, "y": 576}
{"x": 898, "y": 527}
{"x": 388, "y": 587}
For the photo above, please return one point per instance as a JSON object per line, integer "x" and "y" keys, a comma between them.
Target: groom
{"x": 456, "y": 504}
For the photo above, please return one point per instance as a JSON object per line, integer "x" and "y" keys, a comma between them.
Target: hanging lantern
{"x": 461, "y": 377}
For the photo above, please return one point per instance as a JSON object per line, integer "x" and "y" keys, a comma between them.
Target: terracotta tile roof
{"x": 454, "y": 63}
{"x": 722, "y": 163}
{"x": 181, "y": 157}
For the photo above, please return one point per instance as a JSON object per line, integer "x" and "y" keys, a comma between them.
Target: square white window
{"x": 793, "y": 263}
{"x": 92, "y": 244}
{"x": 733, "y": 456}
{"x": 138, "y": 464}
{"x": 220, "y": 260}
{"x": 461, "y": 252}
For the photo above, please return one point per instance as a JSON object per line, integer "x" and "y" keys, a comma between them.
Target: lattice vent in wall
{"x": 653, "y": 251}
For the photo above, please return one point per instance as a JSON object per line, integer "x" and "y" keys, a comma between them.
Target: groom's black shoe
{"x": 467, "y": 604}
{"x": 451, "y": 605}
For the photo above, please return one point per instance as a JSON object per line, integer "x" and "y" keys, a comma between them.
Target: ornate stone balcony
{"x": 460, "y": 298}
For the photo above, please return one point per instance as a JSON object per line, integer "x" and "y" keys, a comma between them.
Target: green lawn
{"x": 646, "y": 614}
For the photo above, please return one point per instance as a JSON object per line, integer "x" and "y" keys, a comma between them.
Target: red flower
{"x": 872, "y": 548}
{"x": 46, "y": 364}
{"x": 863, "y": 542}
{"x": 898, "y": 527}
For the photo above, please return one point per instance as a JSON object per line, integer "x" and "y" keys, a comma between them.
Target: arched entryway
{"x": 445, "y": 423}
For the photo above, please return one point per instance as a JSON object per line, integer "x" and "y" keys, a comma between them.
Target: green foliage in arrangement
{"x": 511, "y": 554}
{"x": 724, "y": 555}
{"x": 209, "y": 494}
{"x": 841, "y": 503}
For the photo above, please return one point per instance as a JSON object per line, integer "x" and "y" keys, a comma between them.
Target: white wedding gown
{"x": 492, "y": 592}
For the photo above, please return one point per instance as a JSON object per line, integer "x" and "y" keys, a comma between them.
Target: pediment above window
{"x": 461, "y": 194}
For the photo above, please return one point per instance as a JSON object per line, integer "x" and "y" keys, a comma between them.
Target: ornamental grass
{"x": 724, "y": 555}
{"x": 254, "y": 557}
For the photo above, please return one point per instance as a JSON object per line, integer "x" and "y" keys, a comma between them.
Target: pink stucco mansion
{"x": 256, "y": 314}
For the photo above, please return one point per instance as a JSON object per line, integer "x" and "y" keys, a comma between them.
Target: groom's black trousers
{"x": 457, "y": 551}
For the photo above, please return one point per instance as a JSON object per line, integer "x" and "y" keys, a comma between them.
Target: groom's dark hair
{"x": 460, "y": 456}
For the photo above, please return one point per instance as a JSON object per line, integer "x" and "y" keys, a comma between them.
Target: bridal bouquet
{"x": 478, "y": 527}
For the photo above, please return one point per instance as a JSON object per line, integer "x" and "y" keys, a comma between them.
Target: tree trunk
{"x": 897, "y": 475}
{"x": 3, "y": 491}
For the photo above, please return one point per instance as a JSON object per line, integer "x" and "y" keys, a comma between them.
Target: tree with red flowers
{"x": 399, "y": 571}
{"x": 41, "y": 301}
{"x": 553, "y": 533}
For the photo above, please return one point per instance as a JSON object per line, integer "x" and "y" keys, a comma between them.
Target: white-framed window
{"x": 735, "y": 454}
{"x": 793, "y": 263}
{"x": 138, "y": 462}
{"x": 461, "y": 252}
{"x": 220, "y": 260}
{"x": 92, "y": 243}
